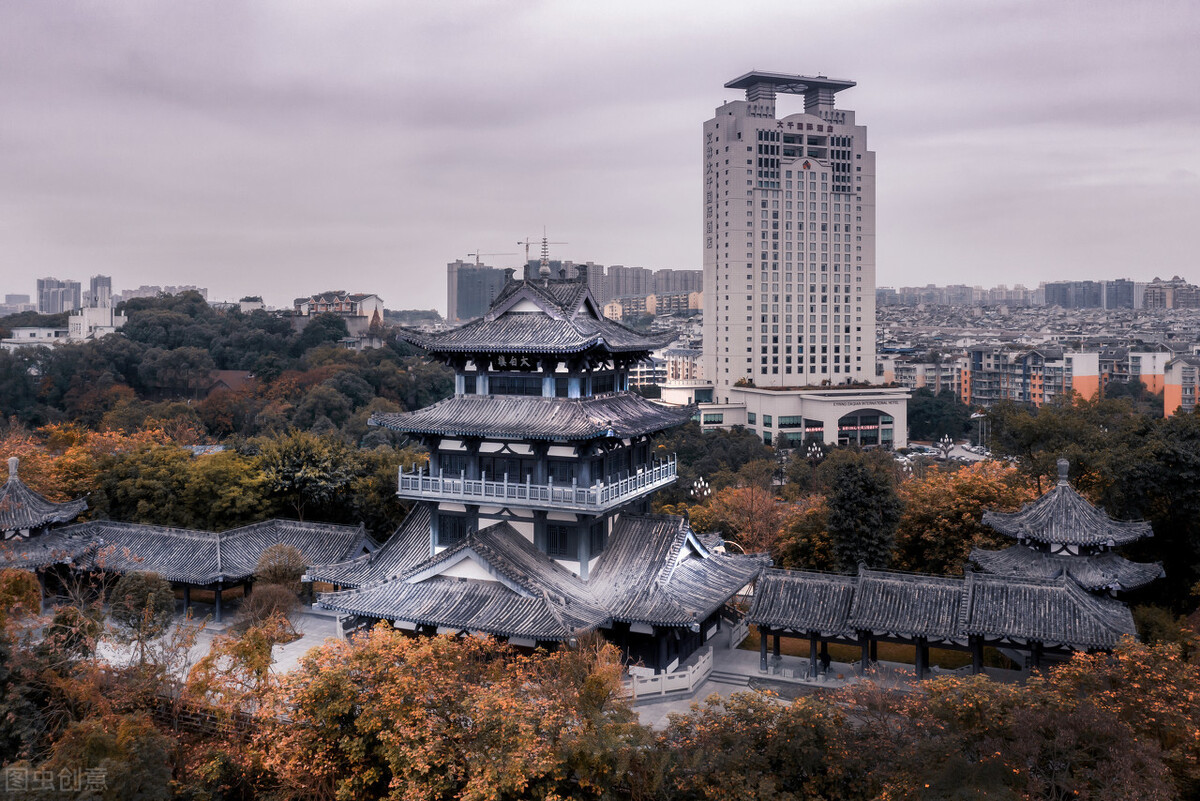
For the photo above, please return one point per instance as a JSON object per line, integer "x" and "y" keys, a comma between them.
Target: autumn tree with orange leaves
{"x": 394, "y": 716}
{"x": 942, "y": 513}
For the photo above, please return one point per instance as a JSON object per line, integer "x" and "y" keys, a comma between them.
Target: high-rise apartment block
{"x": 470, "y": 289}
{"x": 789, "y": 239}
{"x": 100, "y": 292}
{"x": 55, "y": 296}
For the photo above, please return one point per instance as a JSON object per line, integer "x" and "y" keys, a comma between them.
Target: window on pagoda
{"x": 605, "y": 382}
{"x": 561, "y": 471}
{"x": 598, "y": 536}
{"x": 515, "y": 384}
{"x": 558, "y": 540}
{"x": 451, "y": 529}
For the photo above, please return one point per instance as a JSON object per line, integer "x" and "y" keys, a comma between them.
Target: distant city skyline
{"x": 280, "y": 149}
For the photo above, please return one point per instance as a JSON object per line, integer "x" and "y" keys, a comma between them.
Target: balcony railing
{"x": 599, "y": 497}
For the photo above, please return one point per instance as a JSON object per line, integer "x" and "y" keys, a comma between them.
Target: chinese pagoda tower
{"x": 1062, "y": 534}
{"x": 531, "y": 520}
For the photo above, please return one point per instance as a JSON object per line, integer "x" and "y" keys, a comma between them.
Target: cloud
{"x": 278, "y": 148}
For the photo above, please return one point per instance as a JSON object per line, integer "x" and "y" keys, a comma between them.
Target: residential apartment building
{"x": 1174, "y": 294}
{"x": 470, "y": 289}
{"x": 910, "y": 373}
{"x": 789, "y": 239}
{"x": 1034, "y": 376}
{"x": 1180, "y": 384}
{"x": 55, "y": 296}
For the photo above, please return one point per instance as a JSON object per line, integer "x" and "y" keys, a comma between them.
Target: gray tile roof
{"x": 54, "y": 547}
{"x": 1050, "y": 611}
{"x": 408, "y": 546}
{"x": 567, "y": 323}
{"x": 1063, "y": 516}
{"x": 641, "y": 577}
{"x": 618, "y": 414}
{"x": 1104, "y": 571}
{"x": 21, "y": 508}
{"x": 458, "y": 604}
{"x": 906, "y": 605}
{"x": 653, "y": 571}
{"x": 804, "y": 601}
{"x": 204, "y": 557}
{"x": 1055, "y": 612}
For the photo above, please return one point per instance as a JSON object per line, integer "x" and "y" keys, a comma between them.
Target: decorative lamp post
{"x": 700, "y": 489}
{"x": 945, "y": 445}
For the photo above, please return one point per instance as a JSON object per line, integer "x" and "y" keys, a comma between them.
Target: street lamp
{"x": 815, "y": 452}
{"x": 700, "y": 489}
{"x": 946, "y": 444}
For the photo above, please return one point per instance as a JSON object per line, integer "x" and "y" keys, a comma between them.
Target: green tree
{"x": 134, "y": 757}
{"x": 281, "y": 564}
{"x": 930, "y": 417}
{"x": 143, "y": 604}
{"x": 863, "y": 513}
{"x": 306, "y": 471}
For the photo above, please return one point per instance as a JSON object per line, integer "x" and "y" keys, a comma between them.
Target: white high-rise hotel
{"x": 789, "y": 239}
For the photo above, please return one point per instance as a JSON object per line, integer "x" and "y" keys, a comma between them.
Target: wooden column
{"x": 217, "y": 603}
{"x": 812, "y": 655}
{"x": 976, "y": 655}
{"x": 187, "y": 597}
{"x": 775, "y": 646}
{"x": 41, "y": 578}
{"x": 922, "y": 660}
{"x": 1035, "y": 655}
{"x": 662, "y": 650}
{"x": 866, "y": 650}
{"x": 874, "y": 650}
{"x": 763, "y": 634}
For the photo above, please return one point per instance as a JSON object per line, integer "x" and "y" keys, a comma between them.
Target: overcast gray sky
{"x": 283, "y": 148}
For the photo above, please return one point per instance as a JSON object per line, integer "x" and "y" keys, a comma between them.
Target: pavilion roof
{"x": 539, "y": 317}
{"x": 804, "y": 601}
{"x": 456, "y": 604}
{"x": 1051, "y": 611}
{"x": 1055, "y": 612}
{"x": 1103, "y": 571}
{"x": 21, "y": 508}
{"x": 204, "y": 557}
{"x": 58, "y": 546}
{"x": 618, "y": 414}
{"x": 654, "y": 571}
{"x": 906, "y": 604}
{"x": 408, "y": 546}
{"x": 1063, "y": 516}
{"x": 657, "y": 572}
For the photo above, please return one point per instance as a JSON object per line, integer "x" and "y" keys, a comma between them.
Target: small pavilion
{"x": 1062, "y": 533}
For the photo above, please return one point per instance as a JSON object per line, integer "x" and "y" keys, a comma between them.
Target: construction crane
{"x": 545, "y": 246}
{"x": 477, "y": 255}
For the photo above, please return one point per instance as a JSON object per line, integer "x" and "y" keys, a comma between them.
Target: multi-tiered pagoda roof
{"x": 23, "y": 510}
{"x": 532, "y": 515}
{"x": 614, "y": 415}
{"x": 1063, "y": 534}
{"x": 554, "y": 316}
{"x": 654, "y": 572}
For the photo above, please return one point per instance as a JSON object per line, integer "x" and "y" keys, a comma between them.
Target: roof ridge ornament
{"x": 13, "y": 461}
{"x": 1064, "y": 468}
